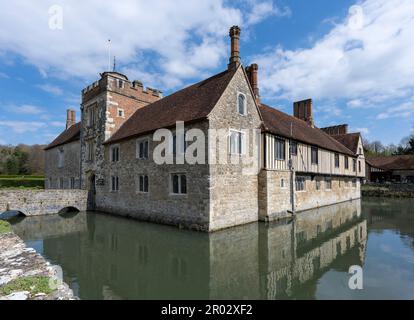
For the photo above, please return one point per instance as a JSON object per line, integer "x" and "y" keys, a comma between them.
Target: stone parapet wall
{"x": 39, "y": 202}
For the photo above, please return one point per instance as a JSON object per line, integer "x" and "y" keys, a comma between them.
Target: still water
{"x": 108, "y": 257}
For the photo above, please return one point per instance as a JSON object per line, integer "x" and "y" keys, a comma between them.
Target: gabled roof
{"x": 280, "y": 123}
{"x": 69, "y": 135}
{"x": 189, "y": 104}
{"x": 349, "y": 140}
{"x": 404, "y": 162}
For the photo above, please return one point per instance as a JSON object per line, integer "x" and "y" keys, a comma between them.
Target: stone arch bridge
{"x": 40, "y": 202}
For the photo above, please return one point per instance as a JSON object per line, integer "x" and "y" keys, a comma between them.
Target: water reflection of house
{"x": 313, "y": 243}
{"x": 120, "y": 258}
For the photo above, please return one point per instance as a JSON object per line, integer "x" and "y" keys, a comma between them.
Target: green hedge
{"x": 22, "y": 183}
{"x": 5, "y": 176}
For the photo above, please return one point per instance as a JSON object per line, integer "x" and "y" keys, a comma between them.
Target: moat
{"x": 108, "y": 257}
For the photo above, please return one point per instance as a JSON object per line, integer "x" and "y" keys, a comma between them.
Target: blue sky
{"x": 354, "y": 58}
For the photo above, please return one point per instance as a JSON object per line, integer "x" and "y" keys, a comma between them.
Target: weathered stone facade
{"x": 106, "y": 105}
{"x": 190, "y": 210}
{"x": 62, "y": 169}
{"x": 275, "y": 189}
{"x": 234, "y": 182}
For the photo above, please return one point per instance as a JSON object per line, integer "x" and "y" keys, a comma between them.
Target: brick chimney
{"x": 336, "y": 130}
{"x": 252, "y": 74}
{"x": 303, "y": 110}
{"x": 70, "y": 118}
{"x": 234, "y": 61}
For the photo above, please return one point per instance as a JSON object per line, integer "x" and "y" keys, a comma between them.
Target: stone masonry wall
{"x": 189, "y": 210}
{"x": 38, "y": 202}
{"x": 234, "y": 187}
{"x": 70, "y": 168}
{"x": 274, "y": 194}
{"x": 342, "y": 190}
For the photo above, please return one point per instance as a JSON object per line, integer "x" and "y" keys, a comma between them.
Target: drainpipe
{"x": 292, "y": 184}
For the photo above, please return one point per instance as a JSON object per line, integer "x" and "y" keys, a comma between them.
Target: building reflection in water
{"x": 107, "y": 257}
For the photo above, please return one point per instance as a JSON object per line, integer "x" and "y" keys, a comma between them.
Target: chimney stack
{"x": 235, "y": 48}
{"x": 70, "y": 118}
{"x": 252, "y": 74}
{"x": 303, "y": 110}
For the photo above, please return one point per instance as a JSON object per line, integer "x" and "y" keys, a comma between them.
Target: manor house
{"x": 253, "y": 162}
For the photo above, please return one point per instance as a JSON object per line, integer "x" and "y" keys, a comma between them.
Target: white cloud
{"x": 263, "y": 10}
{"x": 22, "y": 126}
{"x": 178, "y": 39}
{"x": 57, "y": 124}
{"x": 404, "y": 110}
{"x": 366, "y": 56}
{"x": 27, "y": 109}
{"x": 364, "y": 131}
{"x": 49, "y": 88}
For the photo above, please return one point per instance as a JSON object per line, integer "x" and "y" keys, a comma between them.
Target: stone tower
{"x": 106, "y": 105}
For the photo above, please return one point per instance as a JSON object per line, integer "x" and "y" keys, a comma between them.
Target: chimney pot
{"x": 252, "y": 74}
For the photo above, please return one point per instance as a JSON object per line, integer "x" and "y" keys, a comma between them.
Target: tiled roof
{"x": 349, "y": 140}
{"x": 282, "y": 124}
{"x": 405, "y": 162}
{"x": 69, "y": 135}
{"x": 189, "y": 104}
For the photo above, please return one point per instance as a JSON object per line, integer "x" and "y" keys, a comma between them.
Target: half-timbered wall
{"x": 302, "y": 162}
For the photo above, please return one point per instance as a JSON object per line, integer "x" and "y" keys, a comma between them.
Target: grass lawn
{"x": 34, "y": 284}
{"x": 4, "y": 227}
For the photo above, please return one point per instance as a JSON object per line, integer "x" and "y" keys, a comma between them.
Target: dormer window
{"x": 120, "y": 83}
{"x": 241, "y": 104}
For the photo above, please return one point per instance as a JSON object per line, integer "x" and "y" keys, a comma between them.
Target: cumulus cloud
{"x": 50, "y": 88}
{"x": 404, "y": 110}
{"x": 22, "y": 126}
{"x": 173, "y": 40}
{"x": 263, "y": 10}
{"x": 366, "y": 58}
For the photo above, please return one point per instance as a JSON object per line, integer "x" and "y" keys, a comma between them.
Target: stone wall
{"x": 70, "y": 168}
{"x": 38, "y": 202}
{"x": 274, "y": 194}
{"x": 342, "y": 190}
{"x": 189, "y": 210}
{"x": 106, "y": 99}
{"x": 234, "y": 185}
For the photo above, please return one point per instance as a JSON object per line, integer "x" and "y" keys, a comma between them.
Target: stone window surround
{"x": 300, "y": 179}
{"x": 328, "y": 179}
{"x": 245, "y": 103}
{"x": 114, "y": 188}
{"x": 317, "y": 184}
{"x": 120, "y": 113}
{"x": 91, "y": 114}
{"x": 170, "y": 185}
{"x": 72, "y": 182}
{"x": 139, "y": 183}
{"x": 111, "y": 155}
{"x": 243, "y": 142}
{"x": 137, "y": 148}
{"x": 283, "y": 183}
